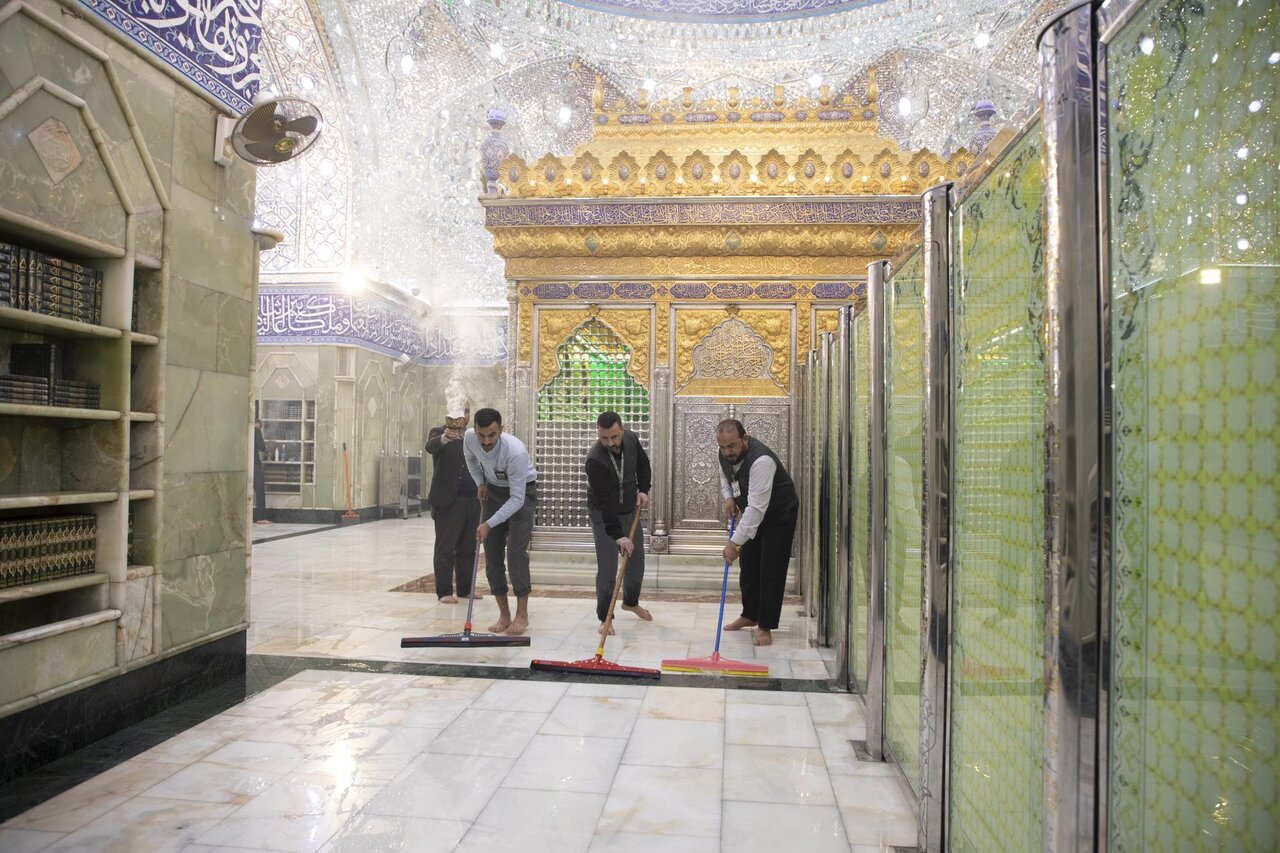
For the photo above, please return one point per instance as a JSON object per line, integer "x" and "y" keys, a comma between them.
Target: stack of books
{"x": 28, "y": 390}
{"x": 43, "y": 549}
{"x": 35, "y": 366}
{"x": 33, "y": 281}
{"x": 77, "y": 395}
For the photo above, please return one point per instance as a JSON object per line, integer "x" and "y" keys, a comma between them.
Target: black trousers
{"x": 455, "y": 551}
{"x": 607, "y": 564}
{"x": 259, "y": 492}
{"x": 763, "y": 565}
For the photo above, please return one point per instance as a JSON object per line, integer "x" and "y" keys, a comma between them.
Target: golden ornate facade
{"x": 677, "y": 213}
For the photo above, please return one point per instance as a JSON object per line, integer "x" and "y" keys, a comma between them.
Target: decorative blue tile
{"x": 690, "y": 290}
{"x": 327, "y": 317}
{"x": 213, "y": 43}
{"x": 635, "y": 290}
{"x": 832, "y": 290}
{"x": 775, "y": 290}
{"x": 552, "y": 291}
{"x": 732, "y": 290}
{"x": 593, "y": 290}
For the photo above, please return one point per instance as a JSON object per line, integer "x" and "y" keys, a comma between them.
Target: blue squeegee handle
{"x": 724, "y": 587}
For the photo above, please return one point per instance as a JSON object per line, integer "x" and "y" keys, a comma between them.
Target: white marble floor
{"x": 328, "y": 594}
{"x": 358, "y": 761}
{"x": 344, "y": 761}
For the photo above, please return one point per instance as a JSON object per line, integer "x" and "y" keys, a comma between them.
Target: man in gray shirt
{"x": 507, "y": 485}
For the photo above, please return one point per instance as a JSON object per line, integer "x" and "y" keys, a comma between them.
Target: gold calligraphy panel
{"x": 772, "y": 327}
{"x": 524, "y": 330}
{"x": 559, "y": 269}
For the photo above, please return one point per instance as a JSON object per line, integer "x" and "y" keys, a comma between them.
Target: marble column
{"x": 659, "y": 442}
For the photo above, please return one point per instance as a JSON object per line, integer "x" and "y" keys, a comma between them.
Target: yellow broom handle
{"x": 617, "y": 584}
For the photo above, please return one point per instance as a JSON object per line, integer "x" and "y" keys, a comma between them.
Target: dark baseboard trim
{"x": 49, "y": 731}
{"x": 318, "y": 516}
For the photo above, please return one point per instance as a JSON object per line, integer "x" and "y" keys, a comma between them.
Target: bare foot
{"x": 448, "y": 599}
{"x": 503, "y": 623}
{"x": 611, "y": 631}
{"x": 645, "y": 615}
{"x": 519, "y": 626}
{"x": 740, "y": 623}
{"x": 477, "y": 596}
{"x": 764, "y": 637}
{"x": 263, "y": 521}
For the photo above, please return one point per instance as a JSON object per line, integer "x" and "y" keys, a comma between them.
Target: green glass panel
{"x": 1195, "y": 332}
{"x": 831, "y": 508}
{"x": 997, "y": 716}
{"x": 859, "y": 566}
{"x": 903, "y": 596}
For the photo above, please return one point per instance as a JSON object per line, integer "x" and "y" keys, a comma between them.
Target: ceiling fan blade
{"x": 260, "y": 124}
{"x": 306, "y": 125}
{"x": 266, "y": 151}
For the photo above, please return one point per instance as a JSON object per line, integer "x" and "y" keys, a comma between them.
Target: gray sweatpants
{"x": 507, "y": 545}
{"x": 607, "y": 564}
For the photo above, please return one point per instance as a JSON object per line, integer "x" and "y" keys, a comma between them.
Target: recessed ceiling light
{"x": 406, "y": 63}
{"x": 904, "y": 105}
{"x": 815, "y": 80}
{"x": 565, "y": 115}
{"x": 981, "y": 40}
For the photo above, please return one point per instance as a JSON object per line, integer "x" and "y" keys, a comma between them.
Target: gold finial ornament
{"x": 687, "y": 102}
{"x": 733, "y": 97}
{"x": 779, "y": 96}
{"x": 873, "y": 91}
{"x": 824, "y": 95}
{"x": 643, "y": 99}
{"x": 597, "y": 94}
{"x": 732, "y": 309}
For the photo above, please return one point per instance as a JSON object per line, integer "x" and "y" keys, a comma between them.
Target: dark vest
{"x": 783, "y": 500}
{"x": 625, "y": 499}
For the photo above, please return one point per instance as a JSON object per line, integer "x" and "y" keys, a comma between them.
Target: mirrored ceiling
{"x": 391, "y": 189}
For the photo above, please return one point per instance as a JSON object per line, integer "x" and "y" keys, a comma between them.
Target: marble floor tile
{"x": 291, "y": 833}
{"x": 599, "y": 716}
{"x": 371, "y": 833}
{"x": 485, "y": 731}
{"x": 534, "y": 821}
{"x": 775, "y": 826}
{"x": 153, "y": 824}
{"x": 663, "y": 801}
{"x": 206, "y": 782}
{"x": 453, "y": 787}
{"x": 676, "y": 743}
{"x": 835, "y": 708}
{"x": 26, "y": 840}
{"x": 776, "y": 774}
{"x": 678, "y": 703}
{"x": 875, "y": 810}
{"x": 74, "y": 808}
{"x": 640, "y": 842}
{"x": 521, "y": 696}
{"x": 567, "y": 763}
{"x": 769, "y": 725}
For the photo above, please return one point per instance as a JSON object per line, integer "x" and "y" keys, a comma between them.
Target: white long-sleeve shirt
{"x": 759, "y": 492}
{"x": 507, "y": 466}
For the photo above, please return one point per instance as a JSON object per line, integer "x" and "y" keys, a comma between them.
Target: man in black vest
{"x": 618, "y": 481}
{"x": 759, "y": 492}
{"x": 455, "y": 508}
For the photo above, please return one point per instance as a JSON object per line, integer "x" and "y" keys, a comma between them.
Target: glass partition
{"x": 831, "y": 476}
{"x": 859, "y": 391}
{"x": 1194, "y": 321}
{"x": 997, "y": 644}
{"x": 904, "y": 377}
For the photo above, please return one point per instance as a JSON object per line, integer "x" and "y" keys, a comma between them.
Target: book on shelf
{"x": 45, "y": 284}
{"x": 33, "y": 550}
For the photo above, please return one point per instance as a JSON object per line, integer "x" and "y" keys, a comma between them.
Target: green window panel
{"x": 592, "y": 378}
{"x": 904, "y": 617}
{"x": 1194, "y": 313}
{"x": 997, "y": 717}
{"x": 831, "y": 507}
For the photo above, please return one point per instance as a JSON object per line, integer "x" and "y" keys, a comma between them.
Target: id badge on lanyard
{"x": 737, "y": 489}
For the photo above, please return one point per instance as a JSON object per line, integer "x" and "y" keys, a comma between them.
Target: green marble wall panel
{"x": 210, "y": 246}
{"x": 204, "y": 513}
{"x": 53, "y": 661}
{"x": 997, "y": 684}
{"x": 202, "y": 595}
{"x": 206, "y": 421}
{"x": 191, "y": 343}
{"x": 1195, "y": 332}
{"x": 860, "y": 500}
{"x": 904, "y": 618}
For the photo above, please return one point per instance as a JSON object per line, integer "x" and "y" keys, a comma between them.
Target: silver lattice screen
{"x": 592, "y": 378}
